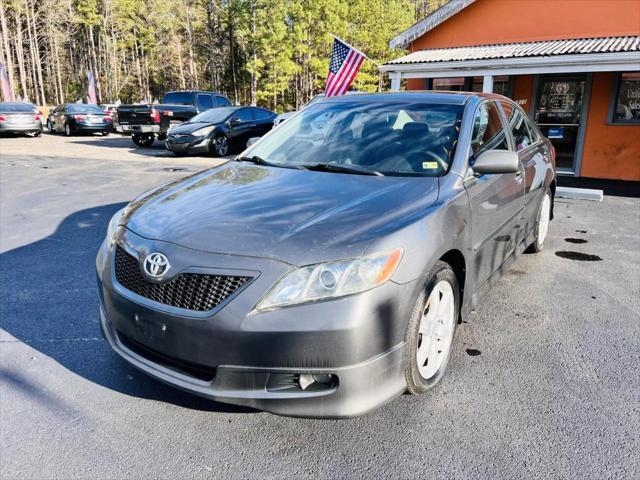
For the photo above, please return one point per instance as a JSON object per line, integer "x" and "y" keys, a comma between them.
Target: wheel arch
{"x": 455, "y": 259}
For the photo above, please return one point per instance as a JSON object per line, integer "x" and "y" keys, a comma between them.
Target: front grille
{"x": 200, "y": 372}
{"x": 192, "y": 291}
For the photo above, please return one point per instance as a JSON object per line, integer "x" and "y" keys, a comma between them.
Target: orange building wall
{"x": 505, "y": 21}
{"x": 610, "y": 151}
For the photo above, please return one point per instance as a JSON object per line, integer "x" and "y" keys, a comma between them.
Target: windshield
{"x": 213, "y": 115}
{"x": 84, "y": 108}
{"x": 17, "y": 107}
{"x": 393, "y": 138}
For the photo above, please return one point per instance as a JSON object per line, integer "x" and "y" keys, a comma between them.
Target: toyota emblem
{"x": 156, "y": 265}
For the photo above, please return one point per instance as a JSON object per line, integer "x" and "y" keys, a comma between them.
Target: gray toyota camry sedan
{"x": 324, "y": 271}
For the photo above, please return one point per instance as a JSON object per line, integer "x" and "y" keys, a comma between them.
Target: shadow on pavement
{"x": 49, "y": 301}
{"x": 115, "y": 140}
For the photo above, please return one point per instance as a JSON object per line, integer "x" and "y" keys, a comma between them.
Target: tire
{"x": 37, "y": 133}
{"x": 67, "y": 129}
{"x": 104, "y": 134}
{"x": 143, "y": 140}
{"x": 219, "y": 147}
{"x": 426, "y": 363}
{"x": 542, "y": 223}
{"x": 49, "y": 127}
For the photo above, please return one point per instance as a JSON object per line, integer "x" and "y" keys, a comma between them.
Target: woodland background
{"x": 273, "y": 53}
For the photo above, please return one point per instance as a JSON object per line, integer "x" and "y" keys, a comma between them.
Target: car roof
{"x": 431, "y": 96}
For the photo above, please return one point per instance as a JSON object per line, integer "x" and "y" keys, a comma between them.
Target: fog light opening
{"x": 308, "y": 381}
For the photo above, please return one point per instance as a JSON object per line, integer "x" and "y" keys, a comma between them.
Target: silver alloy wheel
{"x": 435, "y": 333}
{"x": 67, "y": 130}
{"x": 221, "y": 145}
{"x": 545, "y": 217}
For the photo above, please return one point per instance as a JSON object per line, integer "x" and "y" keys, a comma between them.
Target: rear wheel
{"x": 431, "y": 330}
{"x": 542, "y": 225}
{"x": 143, "y": 140}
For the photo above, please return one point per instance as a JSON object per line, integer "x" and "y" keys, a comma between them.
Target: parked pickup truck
{"x": 147, "y": 122}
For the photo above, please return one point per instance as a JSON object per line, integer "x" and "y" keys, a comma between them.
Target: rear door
{"x": 496, "y": 200}
{"x": 263, "y": 120}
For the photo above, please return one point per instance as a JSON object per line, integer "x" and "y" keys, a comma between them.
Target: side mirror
{"x": 252, "y": 140}
{"x": 234, "y": 122}
{"x": 496, "y": 161}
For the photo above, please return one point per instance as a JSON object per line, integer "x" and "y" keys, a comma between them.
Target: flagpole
{"x": 354, "y": 48}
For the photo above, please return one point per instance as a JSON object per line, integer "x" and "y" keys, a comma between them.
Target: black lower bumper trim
{"x": 201, "y": 372}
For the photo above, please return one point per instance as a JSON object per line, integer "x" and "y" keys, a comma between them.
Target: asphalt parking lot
{"x": 544, "y": 379}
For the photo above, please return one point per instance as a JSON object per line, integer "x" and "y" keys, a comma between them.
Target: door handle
{"x": 519, "y": 174}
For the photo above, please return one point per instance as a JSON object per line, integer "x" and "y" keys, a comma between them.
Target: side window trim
{"x": 505, "y": 126}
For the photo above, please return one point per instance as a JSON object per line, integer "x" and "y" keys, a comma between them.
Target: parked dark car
{"x": 326, "y": 270}
{"x": 147, "y": 122}
{"x": 219, "y": 131}
{"x": 20, "y": 117}
{"x": 74, "y": 118}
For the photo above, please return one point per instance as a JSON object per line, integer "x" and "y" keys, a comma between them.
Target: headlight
{"x": 201, "y": 132}
{"x": 331, "y": 280}
{"x": 113, "y": 226}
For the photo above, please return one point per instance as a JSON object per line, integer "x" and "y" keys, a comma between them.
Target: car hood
{"x": 187, "y": 127}
{"x": 296, "y": 216}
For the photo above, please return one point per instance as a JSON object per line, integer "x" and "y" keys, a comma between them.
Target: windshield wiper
{"x": 261, "y": 161}
{"x": 341, "y": 168}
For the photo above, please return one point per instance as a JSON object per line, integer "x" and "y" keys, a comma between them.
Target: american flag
{"x": 343, "y": 68}
{"x": 92, "y": 88}
{"x": 7, "y": 94}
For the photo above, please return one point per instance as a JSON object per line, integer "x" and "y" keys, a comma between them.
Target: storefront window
{"x": 455, "y": 84}
{"x": 626, "y": 106}
{"x": 500, "y": 84}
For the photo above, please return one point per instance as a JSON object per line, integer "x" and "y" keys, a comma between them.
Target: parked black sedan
{"x": 73, "y": 118}
{"x": 20, "y": 117}
{"x": 218, "y": 131}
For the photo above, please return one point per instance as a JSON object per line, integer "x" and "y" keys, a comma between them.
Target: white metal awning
{"x": 550, "y": 56}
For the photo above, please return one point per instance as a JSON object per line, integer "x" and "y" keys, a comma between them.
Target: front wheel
{"x": 220, "y": 146}
{"x": 431, "y": 330}
{"x": 542, "y": 224}
{"x": 143, "y": 140}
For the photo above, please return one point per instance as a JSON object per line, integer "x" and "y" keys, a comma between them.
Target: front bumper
{"x": 187, "y": 143}
{"x": 357, "y": 339}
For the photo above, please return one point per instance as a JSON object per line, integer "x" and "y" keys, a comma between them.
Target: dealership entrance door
{"x": 560, "y": 112}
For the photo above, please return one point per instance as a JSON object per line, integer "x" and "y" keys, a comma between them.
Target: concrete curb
{"x": 579, "y": 193}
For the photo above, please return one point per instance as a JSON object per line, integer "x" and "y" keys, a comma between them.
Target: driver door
{"x": 241, "y": 126}
{"x": 496, "y": 200}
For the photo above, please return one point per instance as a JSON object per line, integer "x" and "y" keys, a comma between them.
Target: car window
{"x": 17, "y": 107}
{"x": 262, "y": 114}
{"x": 205, "y": 101}
{"x": 178, "y": 98}
{"x": 222, "y": 101}
{"x": 488, "y": 130}
{"x": 518, "y": 124}
{"x": 244, "y": 115}
{"x": 83, "y": 108}
{"x": 393, "y": 137}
